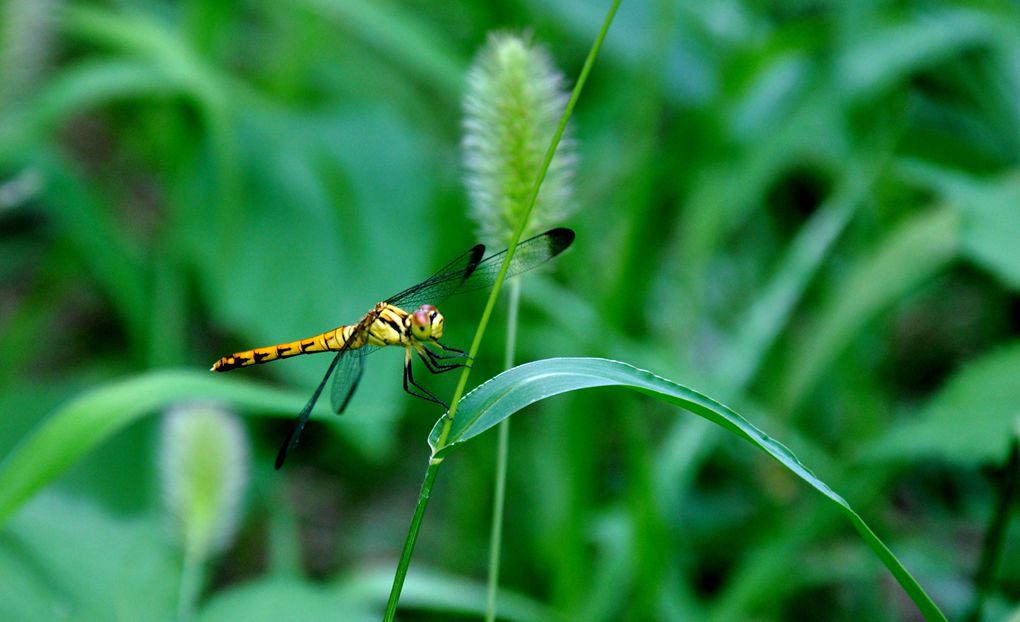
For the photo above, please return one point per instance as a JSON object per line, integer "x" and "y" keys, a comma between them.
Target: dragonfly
{"x": 389, "y": 323}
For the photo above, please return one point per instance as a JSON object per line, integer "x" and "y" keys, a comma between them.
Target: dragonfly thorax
{"x": 426, "y": 323}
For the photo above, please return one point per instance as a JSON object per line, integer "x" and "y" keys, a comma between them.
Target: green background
{"x": 809, "y": 211}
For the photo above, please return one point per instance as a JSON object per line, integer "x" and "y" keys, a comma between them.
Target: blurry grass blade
{"x": 972, "y": 419}
{"x": 27, "y": 323}
{"x": 509, "y": 392}
{"x": 85, "y": 422}
{"x": 101, "y": 242}
{"x": 989, "y": 217}
{"x": 910, "y": 254}
{"x": 883, "y": 53}
{"x": 610, "y": 583}
{"x": 770, "y": 313}
{"x": 212, "y": 92}
{"x": 145, "y": 38}
{"x": 169, "y": 54}
{"x": 990, "y": 228}
{"x": 716, "y": 206}
{"x": 763, "y": 576}
{"x": 412, "y": 43}
{"x": 76, "y": 90}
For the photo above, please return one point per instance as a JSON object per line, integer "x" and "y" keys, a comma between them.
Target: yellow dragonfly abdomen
{"x": 387, "y": 326}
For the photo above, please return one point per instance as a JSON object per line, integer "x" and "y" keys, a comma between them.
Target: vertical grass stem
{"x": 502, "y": 454}
{"x": 436, "y": 460}
{"x": 191, "y": 581}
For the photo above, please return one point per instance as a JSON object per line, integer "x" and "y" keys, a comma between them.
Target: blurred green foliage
{"x": 808, "y": 210}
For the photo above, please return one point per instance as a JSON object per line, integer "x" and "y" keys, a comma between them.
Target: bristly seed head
{"x": 514, "y": 102}
{"x": 203, "y": 470}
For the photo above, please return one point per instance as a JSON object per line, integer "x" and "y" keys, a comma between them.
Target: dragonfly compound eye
{"x": 430, "y": 320}
{"x": 421, "y": 324}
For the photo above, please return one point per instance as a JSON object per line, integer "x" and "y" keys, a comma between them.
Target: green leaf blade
{"x": 513, "y": 390}
{"x": 85, "y": 422}
{"x": 517, "y": 388}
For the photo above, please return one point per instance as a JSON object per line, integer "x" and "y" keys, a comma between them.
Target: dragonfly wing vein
{"x": 463, "y": 275}
{"x": 444, "y": 282}
{"x": 347, "y": 377}
{"x": 295, "y": 433}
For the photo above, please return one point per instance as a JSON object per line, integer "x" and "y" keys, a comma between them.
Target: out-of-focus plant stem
{"x": 191, "y": 580}
{"x": 502, "y": 453}
{"x": 995, "y": 537}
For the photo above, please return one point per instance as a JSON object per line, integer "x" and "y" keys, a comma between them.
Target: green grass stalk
{"x": 436, "y": 460}
{"x": 502, "y": 453}
{"x": 191, "y": 580}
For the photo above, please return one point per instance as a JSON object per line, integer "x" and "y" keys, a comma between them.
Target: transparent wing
{"x": 446, "y": 280}
{"x": 295, "y": 433}
{"x": 469, "y": 272}
{"x": 350, "y": 367}
{"x": 347, "y": 377}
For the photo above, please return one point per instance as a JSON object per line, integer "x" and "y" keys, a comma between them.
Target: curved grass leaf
{"x": 88, "y": 420}
{"x": 84, "y": 86}
{"x": 883, "y": 53}
{"x": 145, "y": 38}
{"x": 522, "y": 386}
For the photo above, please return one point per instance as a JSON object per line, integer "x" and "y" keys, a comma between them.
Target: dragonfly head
{"x": 427, "y": 323}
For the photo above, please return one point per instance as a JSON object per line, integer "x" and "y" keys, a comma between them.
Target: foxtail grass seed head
{"x": 515, "y": 98}
{"x": 203, "y": 462}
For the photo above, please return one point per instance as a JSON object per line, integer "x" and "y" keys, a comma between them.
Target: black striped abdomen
{"x": 331, "y": 340}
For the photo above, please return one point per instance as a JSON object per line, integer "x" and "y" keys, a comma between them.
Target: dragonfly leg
{"x": 424, "y": 393}
{"x": 429, "y": 358}
{"x": 457, "y": 354}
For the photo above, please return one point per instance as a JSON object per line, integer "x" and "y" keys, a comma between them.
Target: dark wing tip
{"x": 347, "y": 400}
{"x": 560, "y": 240}
{"x": 288, "y": 444}
{"x": 477, "y": 252}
